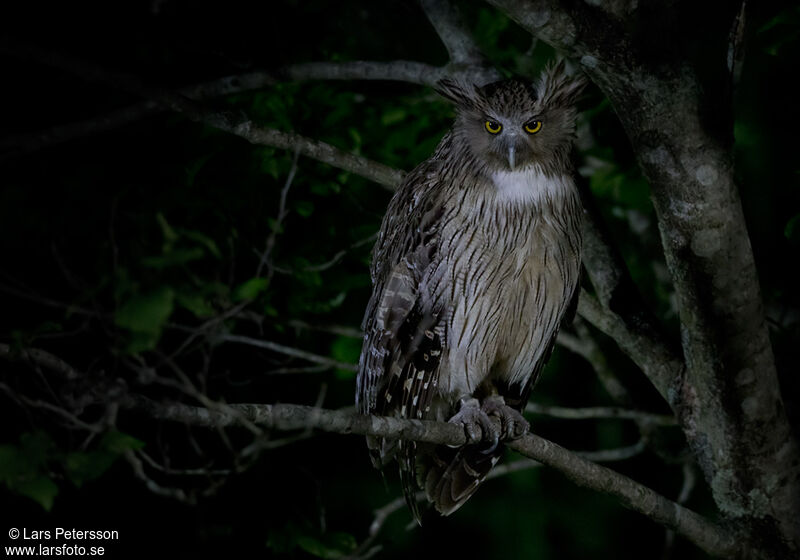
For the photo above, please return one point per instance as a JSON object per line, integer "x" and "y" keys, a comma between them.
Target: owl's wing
{"x": 398, "y": 368}
{"x": 398, "y": 315}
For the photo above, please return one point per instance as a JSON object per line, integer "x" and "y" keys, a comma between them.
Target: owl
{"x": 475, "y": 267}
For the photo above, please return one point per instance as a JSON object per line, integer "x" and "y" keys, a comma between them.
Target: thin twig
{"x": 594, "y": 412}
{"x": 22, "y": 400}
{"x": 340, "y": 255}
{"x": 340, "y": 330}
{"x": 152, "y": 485}
{"x": 287, "y": 350}
{"x": 69, "y": 308}
{"x": 295, "y": 370}
{"x": 266, "y": 256}
{"x": 182, "y": 472}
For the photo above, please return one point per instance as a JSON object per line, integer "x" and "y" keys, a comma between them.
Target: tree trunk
{"x": 671, "y": 88}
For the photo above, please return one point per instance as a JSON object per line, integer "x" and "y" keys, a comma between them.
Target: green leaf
{"x": 308, "y": 278}
{"x": 194, "y": 167}
{"x": 250, "y": 289}
{"x": 138, "y": 342}
{"x": 27, "y": 458}
{"x": 330, "y": 546}
{"x": 204, "y": 240}
{"x": 345, "y": 349}
{"x": 13, "y": 463}
{"x": 270, "y": 167}
{"x": 119, "y": 442}
{"x": 355, "y": 136}
{"x": 38, "y": 447}
{"x": 304, "y": 207}
{"x": 173, "y": 257}
{"x": 270, "y": 311}
{"x": 48, "y": 327}
{"x": 792, "y": 229}
{"x": 22, "y": 467}
{"x": 325, "y": 188}
{"x": 169, "y": 234}
{"x": 194, "y": 302}
{"x": 274, "y": 225}
{"x": 84, "y": 466}
{"x": 146, "y": 313}
{"x": 283, "y": 540}
{"x": 393, "y": 116}
{"x": 39, "y": 488}
{"x": 144, "y": 316}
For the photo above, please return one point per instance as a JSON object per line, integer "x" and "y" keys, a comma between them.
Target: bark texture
{"x": 673, "y": 99}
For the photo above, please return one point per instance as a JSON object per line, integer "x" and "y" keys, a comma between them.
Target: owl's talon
{"x": 495, "y": 443}
{"x": 478, "y": 427}
{"x": 512, "y": 424}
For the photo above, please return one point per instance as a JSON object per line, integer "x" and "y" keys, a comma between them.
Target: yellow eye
{"x": 493, "y": 127}
{"x": 533, "y": 127}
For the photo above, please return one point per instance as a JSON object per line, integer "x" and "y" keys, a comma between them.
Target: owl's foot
{"x": 478, "y": 427}
{"x": 512, "y": 424}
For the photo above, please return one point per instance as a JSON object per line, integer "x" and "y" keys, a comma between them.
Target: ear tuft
{"x": 557, "y": 88}
{"x": 454, "y": 92}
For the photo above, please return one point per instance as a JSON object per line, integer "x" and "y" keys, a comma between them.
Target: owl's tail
{"x": 453, "y": 475}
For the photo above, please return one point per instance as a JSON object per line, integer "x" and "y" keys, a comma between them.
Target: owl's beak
{"x": 512, "y": 149}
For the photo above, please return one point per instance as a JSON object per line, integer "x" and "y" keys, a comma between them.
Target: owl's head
{"x": 513, "y": 124}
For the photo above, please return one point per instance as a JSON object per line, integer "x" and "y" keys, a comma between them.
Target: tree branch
{"x": 238, "y": 126}
{"x": 449, "y": 24}
{"x": 40, "y": 358}
{"x": 18, "y": 145}
{"x": 657, "y": 360}
{"x": 398, "y": 70}
{"x": 465, "y": 55}
{"x": 709, "y": 537}
{"x": 584, "y": 345}
{"x": 621, "y": 309}
{"x": 705, "y": 534}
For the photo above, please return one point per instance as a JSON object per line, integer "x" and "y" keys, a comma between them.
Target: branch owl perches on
{"x": 476, "y": 265}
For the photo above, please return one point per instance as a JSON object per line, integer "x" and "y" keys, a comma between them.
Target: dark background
{"x": 165, "y": 219}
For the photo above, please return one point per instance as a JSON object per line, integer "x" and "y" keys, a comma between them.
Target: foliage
{"x": 30, "y": 467}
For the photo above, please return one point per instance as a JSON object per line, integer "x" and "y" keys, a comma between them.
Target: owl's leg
{"x": 512, "y": 424}
{"x": 478, "y": 427}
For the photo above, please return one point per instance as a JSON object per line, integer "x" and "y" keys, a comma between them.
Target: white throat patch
{"x": 529, "y": 186}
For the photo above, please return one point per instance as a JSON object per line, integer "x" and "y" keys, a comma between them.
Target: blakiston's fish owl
{"x": 476, "y": 265}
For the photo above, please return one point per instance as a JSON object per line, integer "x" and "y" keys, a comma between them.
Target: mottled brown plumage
{"x": 475, "y": 267}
